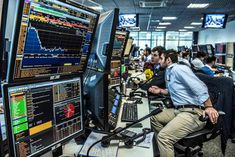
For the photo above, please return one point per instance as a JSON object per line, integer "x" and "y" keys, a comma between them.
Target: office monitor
{"x": 214, "y": 21}
{"x": 96, "y": 89}
{"x": 52, "y": 40}
{"x": 42, "y": 115}
{"x": 3, "y": 18}
{"x": 120, "y": 40}
{"x": 104, "y": 39}
{"x": 128, "y": 20}
{"x": 181, "y": 48}
{"x": 202, "y": 48}
{"x": 128, "y": 47}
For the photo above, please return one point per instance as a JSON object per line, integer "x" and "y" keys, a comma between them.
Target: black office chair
{"x": 192, "y": 144}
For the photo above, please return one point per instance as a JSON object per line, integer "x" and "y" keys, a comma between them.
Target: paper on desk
{"x": 147, "y": 142}
{"x": 98, "y": 150}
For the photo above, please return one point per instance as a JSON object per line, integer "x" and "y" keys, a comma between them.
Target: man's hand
{"x": 155, "y": 90}
{"x": 212, "y": 113}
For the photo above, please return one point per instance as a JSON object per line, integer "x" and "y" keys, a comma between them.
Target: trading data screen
{"x": 43, "y": 114}
{"x": 54, "y": 39}
{"x": 118, "y": 50}
{"x": 119, "y": 43}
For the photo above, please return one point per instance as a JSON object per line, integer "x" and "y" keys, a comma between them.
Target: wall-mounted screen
{"x": 214, "y": 20}
{"x": 128, "y": 20}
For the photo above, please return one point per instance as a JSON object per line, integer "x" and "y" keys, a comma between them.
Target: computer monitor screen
{"x": 128, "y": 20}
{"x": 120, "y": 40}
{"x": 41, "y": 115}
{"x": 202, "y": 48}
{"x": 210, "y": 49}
{"x": 195, "y": 48}
{"x": 128, "y": 47}
{"x": 214, "y": 20}
{"x": 103, "y": 42}
{"x": 181, "y": 48}
{"x": 52, "y": 38}
{"x": 220, "y": 48}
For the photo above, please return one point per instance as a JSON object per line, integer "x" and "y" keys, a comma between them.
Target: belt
{"x": 189, "y": 106}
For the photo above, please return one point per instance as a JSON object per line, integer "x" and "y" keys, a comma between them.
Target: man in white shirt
{"x": 198, "y": 61}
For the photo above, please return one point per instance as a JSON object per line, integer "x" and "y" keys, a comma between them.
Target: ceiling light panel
{"x": 198, "y": 5}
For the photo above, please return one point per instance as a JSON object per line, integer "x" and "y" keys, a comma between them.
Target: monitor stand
{"x": 57, "y": 152}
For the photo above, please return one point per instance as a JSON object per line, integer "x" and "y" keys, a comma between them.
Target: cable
{"x": 105, "y": 138}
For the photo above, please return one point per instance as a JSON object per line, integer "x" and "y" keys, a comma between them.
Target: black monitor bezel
{"x": 7, "y": 117}
{"x": 111, "y": 40}
{"x": 2, "y": 37}
{"x": 11, "y": 70}
{"x": 204, "y": 20}
{"x": 96, "y": 118}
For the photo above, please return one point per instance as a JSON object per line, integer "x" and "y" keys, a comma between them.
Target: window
{"x": 185, "y": 39}
{"x": 172, "y": 40}
{"x": 157, "y": 39}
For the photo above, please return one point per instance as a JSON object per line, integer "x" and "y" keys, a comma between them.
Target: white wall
{"x": 212, "y": 36}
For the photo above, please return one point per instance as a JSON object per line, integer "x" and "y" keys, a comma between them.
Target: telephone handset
{"x": 138, "y": 93}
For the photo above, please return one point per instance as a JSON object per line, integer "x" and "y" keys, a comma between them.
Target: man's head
{"x": 186, "y": 55}
{"x": 167, "y": 58}
{"x": 211, "y": 61}
{"x": 156, "y": 53}
{"x": 147, "y": 51}
{"x": 201, "y": 55}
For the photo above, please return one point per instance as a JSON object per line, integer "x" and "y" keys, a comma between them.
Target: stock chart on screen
{"x": 54, "y": 39}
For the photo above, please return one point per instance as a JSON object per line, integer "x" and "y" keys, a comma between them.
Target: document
{"x": 97, "y": 150}
{"x": 147, "y": 141}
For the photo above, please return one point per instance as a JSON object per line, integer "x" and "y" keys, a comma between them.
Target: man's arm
{"x": 157, "y": 90}
{"x": 210, "y": 111}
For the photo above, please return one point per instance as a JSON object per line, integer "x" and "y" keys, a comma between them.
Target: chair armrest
{"x": 203, "y": 119}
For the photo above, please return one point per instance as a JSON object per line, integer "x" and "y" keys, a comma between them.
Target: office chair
{"x": 192, "y": 144}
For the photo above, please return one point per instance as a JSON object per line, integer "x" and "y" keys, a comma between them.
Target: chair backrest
{"x": 223, "y": 87}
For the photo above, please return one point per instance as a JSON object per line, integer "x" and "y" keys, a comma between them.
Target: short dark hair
{"x": 201, "y": 54}
{"x": 210, "y": 59}
{"x": 172, "y": 54}
{"x": 185, "y": 54}
{"x": 159, "y": 49}
{"x": 147, "y": 49}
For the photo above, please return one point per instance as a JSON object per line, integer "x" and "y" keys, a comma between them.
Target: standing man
{"x": 190, "y": 99}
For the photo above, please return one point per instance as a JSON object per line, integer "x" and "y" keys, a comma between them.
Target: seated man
{"x": 207, "y": 69}
{"x": 190, "y": 99}
{"x": 197, "y": 63}
{"x": 158, "y": 71}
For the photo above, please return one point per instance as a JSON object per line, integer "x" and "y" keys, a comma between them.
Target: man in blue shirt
{"x": 190, "y": 99}
{"x": 210, "y": 62}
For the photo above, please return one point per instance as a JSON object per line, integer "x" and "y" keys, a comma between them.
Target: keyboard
{"x": 129, "y": 112}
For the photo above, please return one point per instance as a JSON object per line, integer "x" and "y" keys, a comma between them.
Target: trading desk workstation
{"x": 70, "y": 73}
{"x": 64, "y": 59}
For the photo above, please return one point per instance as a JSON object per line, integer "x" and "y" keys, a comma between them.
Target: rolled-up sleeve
{"x": 193, "y": 82}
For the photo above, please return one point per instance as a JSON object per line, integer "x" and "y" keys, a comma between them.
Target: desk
{"x": 143, "y": 109}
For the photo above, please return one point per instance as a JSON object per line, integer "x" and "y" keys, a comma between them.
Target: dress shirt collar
{"x": 209, "y": 67}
